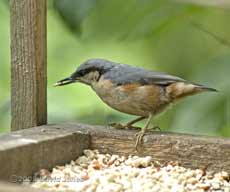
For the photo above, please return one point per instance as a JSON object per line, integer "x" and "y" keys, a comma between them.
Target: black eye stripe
{"x": 83, "y": 72}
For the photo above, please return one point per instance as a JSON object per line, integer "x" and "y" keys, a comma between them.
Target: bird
{"x": 133, "y": 90}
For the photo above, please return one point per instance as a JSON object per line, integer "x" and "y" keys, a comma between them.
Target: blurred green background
{"x": 158, "y": 35}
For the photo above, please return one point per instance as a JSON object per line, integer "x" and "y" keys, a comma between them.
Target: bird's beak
{"x": 65, "y": 81}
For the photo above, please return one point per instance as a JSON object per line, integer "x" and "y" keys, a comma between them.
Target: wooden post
{"x": 28, "y": 63}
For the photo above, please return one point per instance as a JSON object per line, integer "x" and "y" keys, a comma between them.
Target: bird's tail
{"x": 179, "y": 90}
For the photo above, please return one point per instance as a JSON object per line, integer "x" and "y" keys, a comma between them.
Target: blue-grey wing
{"x": 123, "y": 74}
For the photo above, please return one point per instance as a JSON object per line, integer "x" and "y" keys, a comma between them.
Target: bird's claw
{"x": 122, "y": 126}
{"x": 139, "y": 136}
{"x": 117, "y": 125}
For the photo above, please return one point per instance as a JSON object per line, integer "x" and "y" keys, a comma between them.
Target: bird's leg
{"x": 130, "y": 123}
{"x": 127, "y": 125}
{"x": 141, "y": 133}
{"x": 154, "y": 128}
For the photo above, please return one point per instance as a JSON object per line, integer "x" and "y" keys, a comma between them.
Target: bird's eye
{"x": 82, "y": 72}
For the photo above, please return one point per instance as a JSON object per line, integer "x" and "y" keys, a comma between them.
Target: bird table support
{"x": 28, "y": 63}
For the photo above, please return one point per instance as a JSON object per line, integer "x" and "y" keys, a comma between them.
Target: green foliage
{"x": 74, "y": 12}
{"x": 157, "y": 35}
{"x": 4, "y": 67}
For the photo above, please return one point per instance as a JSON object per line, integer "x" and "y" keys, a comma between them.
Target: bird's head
{"x": 88, "y": 72}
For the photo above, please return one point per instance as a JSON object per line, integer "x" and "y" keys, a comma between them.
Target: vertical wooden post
{"x": 28, "y": 63}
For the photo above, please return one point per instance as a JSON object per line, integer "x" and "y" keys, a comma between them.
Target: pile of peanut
{"x": 95, "y": 172}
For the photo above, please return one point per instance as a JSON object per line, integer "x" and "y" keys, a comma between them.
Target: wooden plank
{"x": 28, "y": 63}
{"x": 191, "y": 151}
{"x": 24, "y": 152}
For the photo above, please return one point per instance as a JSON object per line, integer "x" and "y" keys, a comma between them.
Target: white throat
{"x": 90, "y": 77}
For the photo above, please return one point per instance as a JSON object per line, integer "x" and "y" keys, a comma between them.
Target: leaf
{"x": 73, "y": 12}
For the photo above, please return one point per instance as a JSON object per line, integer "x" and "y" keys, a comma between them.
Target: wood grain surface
{"x": 28, "y": 63}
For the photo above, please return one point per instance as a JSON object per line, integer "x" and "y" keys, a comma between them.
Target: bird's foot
{"x": 122, "y": 126}
{"x": 139, "y": 136}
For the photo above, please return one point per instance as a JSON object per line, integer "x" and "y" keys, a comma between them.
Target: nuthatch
{"x": 133, "y": 90}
